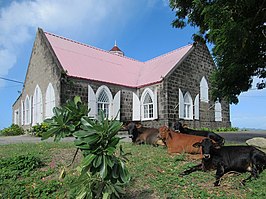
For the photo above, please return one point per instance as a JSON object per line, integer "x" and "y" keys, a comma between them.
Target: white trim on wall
{"x": 204, "y": 90}
{"x": 49, "y": 101}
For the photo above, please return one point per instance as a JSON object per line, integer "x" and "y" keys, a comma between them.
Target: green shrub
{"x": 39, "y": 129}
{"x": 14, "y": 129}
{"x": 102, "y": 173}
{"x": 14, "y": 167}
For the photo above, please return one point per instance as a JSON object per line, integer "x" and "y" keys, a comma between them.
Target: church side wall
{"x": 42, "y": 70}
{"x": 79, "y": 87}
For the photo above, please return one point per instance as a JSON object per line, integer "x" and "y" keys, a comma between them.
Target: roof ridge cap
{"x": 163, "y": 55}
{"x": 90, "y": 46}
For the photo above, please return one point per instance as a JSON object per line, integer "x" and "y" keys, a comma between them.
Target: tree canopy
{"x": 237, "y": 29}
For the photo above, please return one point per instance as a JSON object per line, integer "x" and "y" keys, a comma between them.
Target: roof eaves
{"x": 95, "y": 80}
{"x": 163, "y": 55}
{"x": 93, "y": 47}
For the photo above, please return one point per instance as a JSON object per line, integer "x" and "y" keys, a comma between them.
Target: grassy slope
{"x": 154, "y": 174}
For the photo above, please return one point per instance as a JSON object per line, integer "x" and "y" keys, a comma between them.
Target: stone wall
{"x": 187, "y": 76}
{"x": 42, "y": 70}
{"x": 75, "y": 86}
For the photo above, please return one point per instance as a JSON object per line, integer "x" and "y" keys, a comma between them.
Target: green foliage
{"x": 14, "y": 129}
{"x": 66, "y": 119}
{"x": 222, "y": 129}
{"x": 154, "y": 174}
{"x": 19, "y": 178}
{"x": 237, "y": 30}
{"x": 102, "y": 172}
{"x": 39, "y": 129}
{"x": 18, "y": 165}
{"x": 103, "y": 169}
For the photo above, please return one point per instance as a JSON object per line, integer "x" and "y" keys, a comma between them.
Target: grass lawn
{"x": 154, "y": 174}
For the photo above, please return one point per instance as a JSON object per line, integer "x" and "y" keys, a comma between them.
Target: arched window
{"x": 27, "y": 110}
{"x": 104, "y": 99}
{"x": 188, "y": 106}
{"x": 196, "y": 107}
{"x": 49, "y": 101}
{"x": 148, "y": 105}
{"x": 181, "y": 104}
{"x": 218, "y": 111}
{"x": 22, "y": 113}
{"x": 16, "y": 116}
{"x": 204, "y": 90}
{"x": 37, "y": 106}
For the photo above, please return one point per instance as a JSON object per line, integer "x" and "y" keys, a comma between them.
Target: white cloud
{"x": 20, "y": 19}
{"x": 7, "y": 61}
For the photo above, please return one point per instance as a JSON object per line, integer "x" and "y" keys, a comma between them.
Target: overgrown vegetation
{"x": 39, "y": 129}
{"x": 102, "y": 173}
{"x": 14, "y": 129}
{"x": 154, "y": 175}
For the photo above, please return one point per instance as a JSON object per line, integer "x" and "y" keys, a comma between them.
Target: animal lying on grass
{"x": 209, "y": 134}
{"x": 178, "y": 142}
{"x": 144, "y": 135}
{"x": 229, "y": 158}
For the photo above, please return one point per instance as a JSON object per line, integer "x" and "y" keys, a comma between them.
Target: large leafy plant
{"x": 66, "y": 119}
{"x": 103, "y": 168}
{"x": 103, "y": 172}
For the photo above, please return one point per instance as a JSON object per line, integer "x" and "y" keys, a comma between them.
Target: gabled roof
{"x": 88, "y": 62}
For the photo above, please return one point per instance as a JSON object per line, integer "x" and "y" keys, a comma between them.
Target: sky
{"x": 142, "y": 29}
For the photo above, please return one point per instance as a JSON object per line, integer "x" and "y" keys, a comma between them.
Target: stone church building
{"x": 170, "y": 87}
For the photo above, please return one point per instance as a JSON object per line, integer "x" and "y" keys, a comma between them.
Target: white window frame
{"x": 106, "y": 106}
{"x": 16, "y": 116}
{"x": 37, "y": 106}
{"x": 196, "y": 108}
{"x": 27, "y": 107}
{"x": 204, "y": 90}
{"x": 49, "y": 101}
{"x": 152, "y": 105}
{"x": 188, "y": 106}
{"x": 22, "y": 112}
{"x": 218, "y": 111}
{"x": 114, "y": 108}
{"x": 181, "y": 104}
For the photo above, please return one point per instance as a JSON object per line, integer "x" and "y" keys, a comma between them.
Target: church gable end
{"x": 42, "y": 70}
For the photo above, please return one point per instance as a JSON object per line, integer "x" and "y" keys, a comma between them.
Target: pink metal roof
{"x": 84, "y": 61}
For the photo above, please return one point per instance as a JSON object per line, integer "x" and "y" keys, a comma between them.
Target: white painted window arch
{"x": 27, "y": 107}
{"x": 37, "y": 106}
{"x": 49, "y": 101}
{"x": 145, "y": 108}
{"x": 148, "y": 103}
{"x": 103, "y": 100}
{"x": 196, "y": 107}
{"x": 181, "y": 104}
{"x": 188, "y": 106}
{"x": 22, "y": 113}
{"x": 204, "y": 90}
{"x": 16, "y": 117}
{"x": 218, "y": 111}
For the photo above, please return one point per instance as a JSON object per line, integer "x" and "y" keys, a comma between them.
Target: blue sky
{"x": 141, "y": 28}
